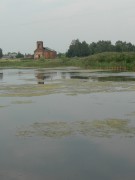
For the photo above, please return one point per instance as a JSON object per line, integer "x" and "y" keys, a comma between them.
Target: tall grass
{"x": 108, "y": 60}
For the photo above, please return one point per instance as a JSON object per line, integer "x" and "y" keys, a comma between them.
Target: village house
{"x": 9, "y": 56}
{"x": 45, "y": 52}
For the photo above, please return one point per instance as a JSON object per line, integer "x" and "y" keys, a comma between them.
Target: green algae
{"x": 27, "y": 90}
{"x": 22, "y": 102}
{"x": 68, "y": 86}
{"x": 2, "y": 106}
{"x": 96, "y": 128}
{"x": 47, "y": 129}
{"x": 106, "y": 128}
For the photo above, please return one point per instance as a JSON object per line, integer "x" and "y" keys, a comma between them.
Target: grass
{"x": 107, "y": 60}
{"x": 18, "y": 63}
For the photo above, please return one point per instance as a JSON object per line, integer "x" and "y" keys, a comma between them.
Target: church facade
{"x": 44, "y": 52}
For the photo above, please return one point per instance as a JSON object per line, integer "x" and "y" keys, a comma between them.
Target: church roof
{"x": 48, "y": 49}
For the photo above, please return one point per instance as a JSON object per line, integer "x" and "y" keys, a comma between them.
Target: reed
{"x": 108, "y": 60}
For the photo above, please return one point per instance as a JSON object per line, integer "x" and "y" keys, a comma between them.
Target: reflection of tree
{"x": 44, "y": 76}
{"x": 115, "y": 78}
{"x": 1, "y": 75}
{"x": 40, "y": 78}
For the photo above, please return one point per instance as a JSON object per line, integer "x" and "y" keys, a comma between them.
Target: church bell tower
{"x": 39, "y": 44}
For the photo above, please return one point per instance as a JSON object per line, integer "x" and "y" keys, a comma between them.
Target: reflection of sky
{"x": 17, "y": 76}
{"x": 31, "y": 76}
{"x": 53, "y": 75}
{"x": 79, "y": 158}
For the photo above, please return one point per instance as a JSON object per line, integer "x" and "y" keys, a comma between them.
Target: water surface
{"x": 67, "y": 123}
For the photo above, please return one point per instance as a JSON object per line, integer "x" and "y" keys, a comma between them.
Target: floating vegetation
{"x": 106, "y": 128}
{"x": 68, "y": 81}
{"x": 22, "y": 102}
{"x": 68, "y": 86}
{"x": 3, "y": 106}
{"x": 27, "y": 90}
{"x": 48, "y": 129}
{"x": 96, "y": 128}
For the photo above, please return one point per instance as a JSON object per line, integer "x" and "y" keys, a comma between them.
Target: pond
{"x": 67, "y": 123}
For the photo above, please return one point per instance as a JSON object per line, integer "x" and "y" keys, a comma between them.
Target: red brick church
{"x": 45, "y": 52}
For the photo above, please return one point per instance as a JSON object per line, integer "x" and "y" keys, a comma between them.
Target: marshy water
{"x": 67, "y": 123}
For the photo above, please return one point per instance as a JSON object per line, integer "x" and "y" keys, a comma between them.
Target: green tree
{"x": 1, "y": 54}
{"x": 85, "y": 51}
{"x": 121, "y": 46}
{"x": 19, "y": 55}
{"x": 92, "y": 48}
{"x": 130, "y": 47}
{"x": 101, "y": 46}
{"x": 81, "y": 49}
{"x": 74, "y": 48}
{"x": 78, "y": 49}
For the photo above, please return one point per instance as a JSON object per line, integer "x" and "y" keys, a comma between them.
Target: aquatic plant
{"x": 22, "y": 102}
{"x": 68, "y": 86}
{"x": 96, "y": 128}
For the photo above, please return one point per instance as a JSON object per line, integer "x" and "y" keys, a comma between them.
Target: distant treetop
{"x": 81, "y": 49}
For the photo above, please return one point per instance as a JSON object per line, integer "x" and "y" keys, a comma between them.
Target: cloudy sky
{"x": 58, "y": 22}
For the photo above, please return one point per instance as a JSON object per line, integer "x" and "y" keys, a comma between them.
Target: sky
{"x": 58, "y": 22}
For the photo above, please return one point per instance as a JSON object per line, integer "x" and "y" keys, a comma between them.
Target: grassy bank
{"x": 116, "y": 61}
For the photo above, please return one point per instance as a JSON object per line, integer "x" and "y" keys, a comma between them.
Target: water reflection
{"x": 79, "y": 77}
{"x": 1, "y": 76}
{"x": 66, "y": 137}
{"x": 92, "y": 76}
{"x": 115, "y": 78}
{"x": 40, "y": 78}
{"x": 43, "y": 76}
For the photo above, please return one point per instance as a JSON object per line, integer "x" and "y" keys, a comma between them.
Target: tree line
{"x": 81, "y": 49}
{"x": 11, "y": 54}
